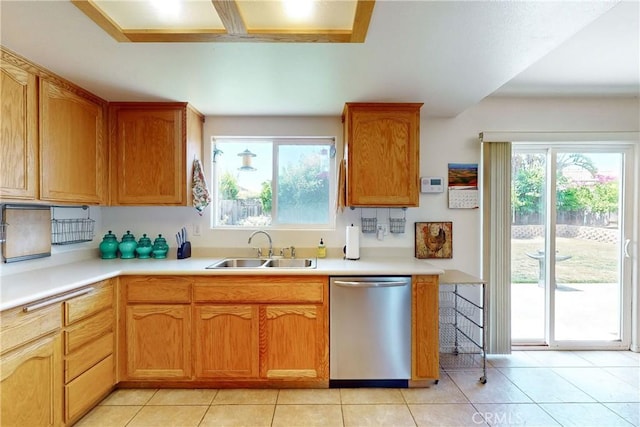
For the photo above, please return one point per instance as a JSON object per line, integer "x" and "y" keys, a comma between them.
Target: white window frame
{"x": 275, "y": 143}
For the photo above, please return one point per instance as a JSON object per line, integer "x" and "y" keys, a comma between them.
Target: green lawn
{"x": 590, "y": 262}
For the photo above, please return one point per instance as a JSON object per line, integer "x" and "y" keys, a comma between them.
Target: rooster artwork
{"x": 433, "y": 239}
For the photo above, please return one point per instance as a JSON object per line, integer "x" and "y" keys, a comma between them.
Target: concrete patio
{"x": 584, "y": 311}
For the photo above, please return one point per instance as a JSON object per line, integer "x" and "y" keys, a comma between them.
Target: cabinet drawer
{"x": 87, "y": 330}
{"x": 158, "y": 289}
{"x": 88, "y": 304}
{"x": 18, "y": 327}
{"x": 85, "y": 357}
{"x": 83, "y": 392}
{"x": 261, "y": 289}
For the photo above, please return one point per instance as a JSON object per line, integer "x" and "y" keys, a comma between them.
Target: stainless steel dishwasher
{"x": 370, "y": 331}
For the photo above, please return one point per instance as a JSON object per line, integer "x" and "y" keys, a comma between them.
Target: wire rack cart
{"x": 462, "y": 322}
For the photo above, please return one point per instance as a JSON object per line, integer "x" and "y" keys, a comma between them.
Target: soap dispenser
{"x": 322, "y": 249}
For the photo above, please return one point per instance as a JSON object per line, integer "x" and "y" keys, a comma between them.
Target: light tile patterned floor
{"x": 532, "y": 388}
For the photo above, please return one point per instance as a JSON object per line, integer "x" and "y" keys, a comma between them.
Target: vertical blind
{"x": 496, "y": 242}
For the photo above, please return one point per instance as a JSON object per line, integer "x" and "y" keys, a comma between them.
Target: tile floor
{"x": 533, "y": 388}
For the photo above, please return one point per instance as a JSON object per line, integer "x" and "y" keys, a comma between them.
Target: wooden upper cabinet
{"x": 73, "y": 155}
{"x": 153, "y": 146}
{"x": 382, "y": 153}
{"x": 18, "y": 133}
{"x": 53, "y": 142}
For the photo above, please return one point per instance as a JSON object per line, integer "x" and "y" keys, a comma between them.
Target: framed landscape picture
{"x": 434, "y": 240}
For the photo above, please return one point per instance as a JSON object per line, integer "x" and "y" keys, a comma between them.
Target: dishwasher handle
{"x": 371, "y": 284}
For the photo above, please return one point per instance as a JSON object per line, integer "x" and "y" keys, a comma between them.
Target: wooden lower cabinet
{"x": 155, "y": 333}
{"x": 279, "y": 333}
{"x": 88, "y": 347}
{"x": 425, "y": 329}
{"x": 31, "y": 366}
{"x": 224, "y": 330}
{"x": 158, "y": 341}
{"x": 295, "y": 342}
{"x": 226, "y": 341}
{"x": 85, "y": 391}
{"x": 30, "y": 393}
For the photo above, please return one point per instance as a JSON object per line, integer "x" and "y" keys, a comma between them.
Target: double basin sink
{"x": 229, "y": 263}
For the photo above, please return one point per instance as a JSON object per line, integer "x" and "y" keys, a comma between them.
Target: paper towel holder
{"x": 352, "y": 247}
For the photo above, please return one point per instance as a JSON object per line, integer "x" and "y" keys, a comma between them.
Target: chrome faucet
{"x": 292, "y": 251}
{"x": 268, "y": 237}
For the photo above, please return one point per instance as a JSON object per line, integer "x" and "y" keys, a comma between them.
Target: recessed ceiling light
{"x": 298, "y": 9}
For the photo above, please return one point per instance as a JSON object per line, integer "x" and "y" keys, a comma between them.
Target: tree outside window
{"x": 287, "y": 182}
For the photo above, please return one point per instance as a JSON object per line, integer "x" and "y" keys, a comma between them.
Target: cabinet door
{"x": 158, "y": 341}
{"x": 425, "y": 340}
{"x": 226, "y": 342}
{"x": 72, "y": 148}
{"x": 18, "y": 133}
{"x": 383, "y": 155}
{"x": 295, "y": 338}
{"x": 149, "y": 159}
{"x": 30, "y": 385}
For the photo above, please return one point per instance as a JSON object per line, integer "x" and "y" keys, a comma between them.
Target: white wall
{"x": 443, "y": 140}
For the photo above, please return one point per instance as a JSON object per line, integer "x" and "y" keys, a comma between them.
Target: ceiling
{"x": 448, "y": 54}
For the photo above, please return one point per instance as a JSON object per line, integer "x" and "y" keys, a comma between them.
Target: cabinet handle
{"x": 362, "y": 284}
{"x": 57, "y": 300}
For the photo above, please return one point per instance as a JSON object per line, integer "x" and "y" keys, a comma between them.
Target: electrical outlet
{"x": 196, "y": 229}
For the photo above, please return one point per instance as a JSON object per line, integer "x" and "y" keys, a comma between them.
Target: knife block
{"x": 184, "y": 250}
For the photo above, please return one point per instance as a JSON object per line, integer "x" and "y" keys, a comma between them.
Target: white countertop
{"x": 26, "y": 287}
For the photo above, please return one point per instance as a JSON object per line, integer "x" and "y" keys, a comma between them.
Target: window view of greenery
{"x": 273, "y": 182}
{"x": 587, "y": 217}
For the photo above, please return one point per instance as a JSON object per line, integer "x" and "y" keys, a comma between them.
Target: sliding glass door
{"x": 570, "y": 277}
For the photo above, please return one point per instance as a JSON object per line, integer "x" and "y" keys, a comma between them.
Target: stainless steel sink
{"x": 239, "y": 263}
{"x": 264, "y": 263}
{"x": 291, "y": 263}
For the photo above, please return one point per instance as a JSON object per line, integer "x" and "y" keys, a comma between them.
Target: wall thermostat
{"x": 431, "y": 184}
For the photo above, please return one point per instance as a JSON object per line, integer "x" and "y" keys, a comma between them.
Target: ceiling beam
{"x": 364, "y": 10}
{"x": 103, "y": 21}
{"x": 230, "y": 16}
{"x": 269, "y": 36}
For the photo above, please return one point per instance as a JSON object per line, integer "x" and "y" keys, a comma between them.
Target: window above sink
{"x": 274, "y": 182}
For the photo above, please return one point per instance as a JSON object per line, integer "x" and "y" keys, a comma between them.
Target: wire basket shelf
{"x": 462, "y": 328}
{"x": 71, "y": 230}
{"x": 450, "y": 361}
{"x": 369, "y": 225}
{"x": 67, "y": 231}
{"x": 397, "y": 225}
